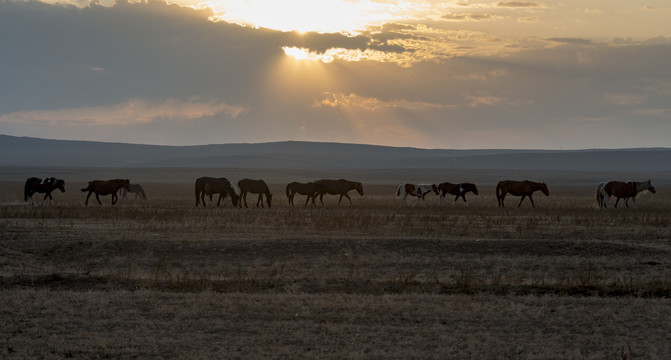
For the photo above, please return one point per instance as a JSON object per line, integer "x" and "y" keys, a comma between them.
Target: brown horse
{"x": 45, "y": 186}
{"x": 224, "y": 188}
{"x": 200, "y": 188}
{"x": 255, "y": 187}
{"x": 622, "y": 190}
{"x": 309, "y": 189}
{"x": 519, "y": 188}
{"x": 106, "y": 187}
{"x": 337, "y": 187}
{"x": 459, "y": 190}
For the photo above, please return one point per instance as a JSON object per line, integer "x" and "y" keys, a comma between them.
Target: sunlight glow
{"x": 345, "y": 16}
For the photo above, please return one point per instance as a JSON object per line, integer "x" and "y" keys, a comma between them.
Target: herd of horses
{"x": 207, "y": 187}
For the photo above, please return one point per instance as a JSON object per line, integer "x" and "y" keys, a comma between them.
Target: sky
{"x": 462, "y": 74}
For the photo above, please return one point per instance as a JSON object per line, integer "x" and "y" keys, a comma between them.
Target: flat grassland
{"x": 164, "y": 279}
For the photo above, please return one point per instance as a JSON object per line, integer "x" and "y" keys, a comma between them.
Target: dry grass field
{"x": 164, "y": 279}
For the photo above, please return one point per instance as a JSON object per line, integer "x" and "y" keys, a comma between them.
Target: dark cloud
{"x": 573, "y": 41}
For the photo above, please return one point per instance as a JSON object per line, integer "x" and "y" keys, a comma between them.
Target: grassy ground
{"x": 164, "y": 279}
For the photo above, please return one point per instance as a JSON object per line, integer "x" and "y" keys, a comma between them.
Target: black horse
{"x": 220, "y": 186}
{"x": 309, "y": 189}
{"x": 337, "y": 187}
{"x": 45, "y": 186}
{"x": 200, "y": 188}
{"x": 255, "y": 187}
{"x": 106, "y": 187}
{"x": 459, "y": 190}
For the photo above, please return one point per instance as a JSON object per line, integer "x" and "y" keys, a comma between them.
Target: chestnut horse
{"x": 255, "y": 187}
{"x": 309, "y": 189}
{"x": 337, "y": 187}
{"x": 106, "y": 187}
{"x": 459, "y": 190}
{"x": 519, "y": 188}
{"x": 45, "y": 186}
{"x": 622, "y": 190}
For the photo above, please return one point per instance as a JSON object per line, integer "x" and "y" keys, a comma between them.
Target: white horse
{"x": 418, "y": 190}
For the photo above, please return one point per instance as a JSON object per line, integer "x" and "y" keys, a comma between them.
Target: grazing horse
{"x": 220, "y": 186}
{"x": 519, "y": 188}
{"x": 200, "y": 187}
{"x": 337, "y": 187}
{"x": 622, "y": 190}
{"x": 106, "y": 187}
{"x": 45, "y": 186}
{"x": 135, "y": 189}
{"x": 459, "y": 190}
{"x": 309, "y": 189}
{"x": 254, "y": 187}
{"x": 419, "y": 191}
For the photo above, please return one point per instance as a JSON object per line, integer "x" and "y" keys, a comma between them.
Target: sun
{"x": 323, "y": 16}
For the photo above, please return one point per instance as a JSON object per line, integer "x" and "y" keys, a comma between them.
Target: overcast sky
{"x": 433, "y": 74}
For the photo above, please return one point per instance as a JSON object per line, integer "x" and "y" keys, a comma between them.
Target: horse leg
{"x": 98, "y": 198}
{"x": 114, "y": 198}
{"x": 45, "y": 198}
{"x": 348, "y": 198}
{"x": 455, "y": 200}
{"x": 259, "y": 200}
{"x": 617, "y": 200}
{"x": 520, "y": 204}
{"x": 532, "y": 201}
{"x": 87, "y": 198}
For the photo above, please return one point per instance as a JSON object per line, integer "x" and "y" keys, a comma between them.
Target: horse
{"x": 459, "y": 190}
{"x": 200, "y": 187}
{"x": 254, "y": 187}
{"x": 337, "y": 187}
{"x": 419, "y": 191}
{"x": 519, "y": 188}
{"x": 622, "y": 190}
{"x": 106, "y": 187}
{"x": 309, "y": 189}
{"x": 220, "y": 186}
{"x": 135, "y": 189}
{"x": 46, "y": 186}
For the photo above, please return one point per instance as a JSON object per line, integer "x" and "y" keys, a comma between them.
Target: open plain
{"x": 165, "y": 279}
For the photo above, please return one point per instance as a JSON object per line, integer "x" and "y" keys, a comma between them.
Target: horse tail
{"x": 398, "y": 191}
{"x": 599, "y": 195}
{"x": 498, "y": 193}
{"x": 288, "y": 189}
{"x": 26, "y": 190}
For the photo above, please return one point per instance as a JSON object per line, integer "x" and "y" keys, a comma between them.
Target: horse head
{"x": 269, "y": 197}
{"x": 651, "y": 188}
{"x": 544, "y": 189}
{"x": 126, "y": 184}
{"x": 359, "y": 188}
{"x": 60, "y": 184}
{"x": 471, "y": 187}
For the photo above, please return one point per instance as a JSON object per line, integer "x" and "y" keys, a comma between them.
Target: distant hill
{"x": 25, "y": 151}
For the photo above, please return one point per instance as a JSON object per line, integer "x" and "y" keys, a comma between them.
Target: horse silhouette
{"x": 106, "y": 187}
{"x": 337, "y": 187}
{"x": 519, "y": 188}
{"x": 255, "y": 187}
{"x": 309, "y": 189}
{"x": 46, "y": 186}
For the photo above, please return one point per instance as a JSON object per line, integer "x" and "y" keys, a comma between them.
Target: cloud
{"x": 625, "y": 99}
{"x": 518, "y": 4}
{"x": 132, "y": 112}
{"x": 372, "y": 104}
{"x": 471, "y": 17}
